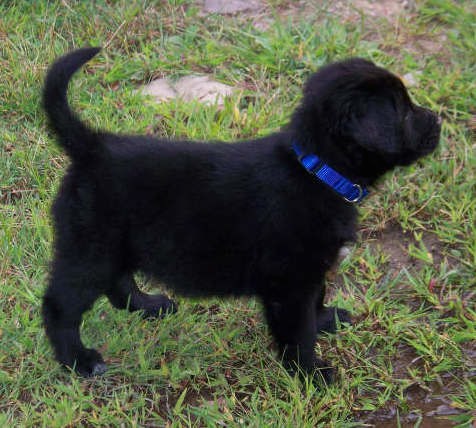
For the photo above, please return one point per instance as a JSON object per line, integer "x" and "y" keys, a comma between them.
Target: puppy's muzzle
{"x": 431, "y": 124}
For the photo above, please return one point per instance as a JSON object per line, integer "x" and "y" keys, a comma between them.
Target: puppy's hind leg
{"x": 326, "y": 317}
{"x": 73, "y": 288}
{"x": 126, "y": 295}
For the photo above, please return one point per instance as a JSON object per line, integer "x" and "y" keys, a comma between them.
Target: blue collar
{"x": 314, "y": 165}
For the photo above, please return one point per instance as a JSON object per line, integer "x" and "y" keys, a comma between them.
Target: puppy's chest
{"x": 326, "y": 235}
{"x": 339, "y": 231}
{"x": 344, "y": 228}
{"x": 335, "y": 224}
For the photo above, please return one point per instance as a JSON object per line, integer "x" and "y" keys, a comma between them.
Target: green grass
{"x": 409, "y": 282}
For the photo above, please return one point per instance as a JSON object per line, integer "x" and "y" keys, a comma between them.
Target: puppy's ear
{"x": 372, "y": 122}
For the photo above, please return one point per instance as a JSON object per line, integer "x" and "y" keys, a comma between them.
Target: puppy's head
{"x": 359, "y": 117}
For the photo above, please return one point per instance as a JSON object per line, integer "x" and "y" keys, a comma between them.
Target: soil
{"x": 426, "y": 405}
{"x": 394, "y": 243}
{"x": 262, "y": 11}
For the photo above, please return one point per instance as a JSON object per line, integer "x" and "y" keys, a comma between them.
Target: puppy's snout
{"x": 438, "y": 122}
{"x": 437, "y": 118}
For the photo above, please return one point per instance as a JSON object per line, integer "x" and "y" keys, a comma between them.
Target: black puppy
{"x": 264, "y": 217}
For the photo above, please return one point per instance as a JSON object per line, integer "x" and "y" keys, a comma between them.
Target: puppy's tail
{"x": 74, "y": 136}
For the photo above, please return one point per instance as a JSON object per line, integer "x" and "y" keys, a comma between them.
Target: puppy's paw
{"x": 321, "y": 374}
{"x": 88, "y": 363}
{"x": 327, "y": 319}
{"x": 158, "y": 306}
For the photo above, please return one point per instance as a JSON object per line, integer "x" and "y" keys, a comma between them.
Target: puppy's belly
{"x": 201, "y": 273}
{"x": 200, "y": 283}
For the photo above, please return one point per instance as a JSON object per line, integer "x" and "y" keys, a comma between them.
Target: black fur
{"x": 220, "y": 218}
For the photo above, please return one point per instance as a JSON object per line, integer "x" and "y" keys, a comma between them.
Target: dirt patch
{"x": 231, "y": 6}
{"x": 427, "y": 411}
{"x": 395, "y": 243}
{"x": 425, "y": 405}
{"x": 262, "y": 12}
{"x": 377, "y": 17}
{"x": 435, "y": 44}
{"x": 387, "y": 9}
{"x": 347, "y": 9}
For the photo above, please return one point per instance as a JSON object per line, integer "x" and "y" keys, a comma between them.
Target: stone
{"x": 411, "y": 79}
{"x": 200, "y": 88}
{"x": 160, "y": 89}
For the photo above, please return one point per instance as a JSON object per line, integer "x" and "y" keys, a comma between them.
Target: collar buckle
{"x": 358, "y": 197}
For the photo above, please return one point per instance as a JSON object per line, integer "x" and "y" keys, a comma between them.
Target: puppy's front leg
{"x": 292, "y": 321}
